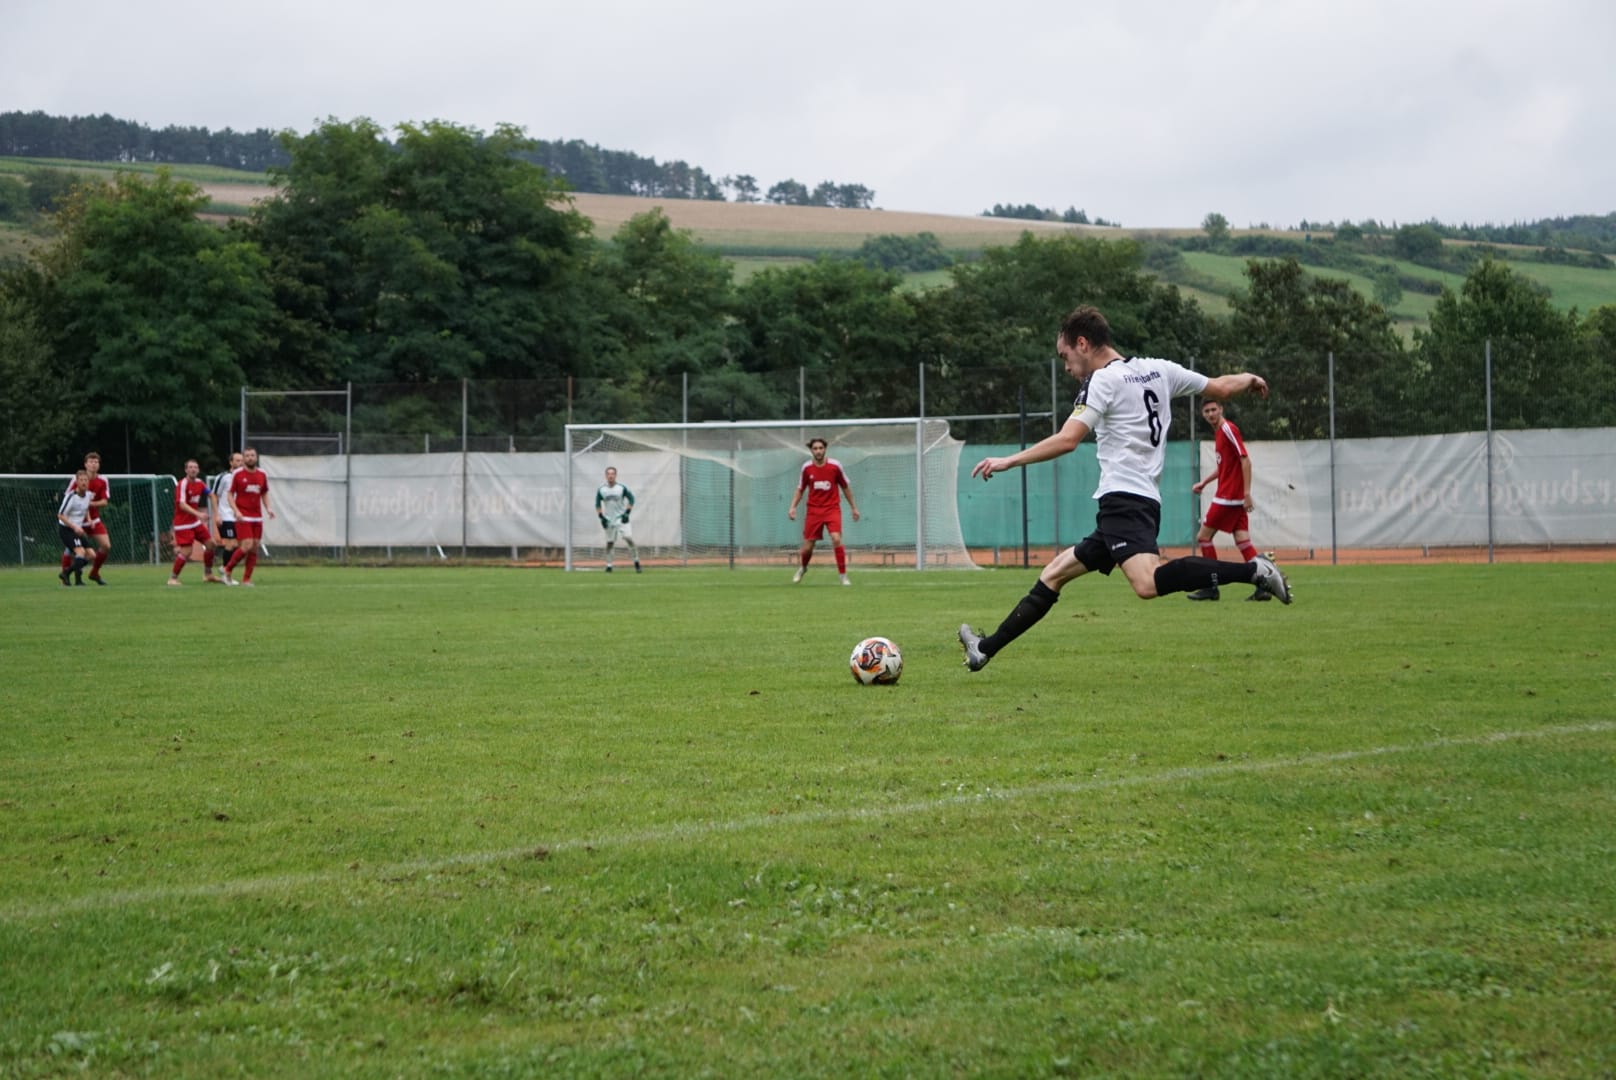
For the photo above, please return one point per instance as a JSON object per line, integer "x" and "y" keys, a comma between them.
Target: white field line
{"x": 681, "y": 832}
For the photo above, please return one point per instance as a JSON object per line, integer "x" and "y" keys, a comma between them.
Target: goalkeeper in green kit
{"x": 613, "y": 502}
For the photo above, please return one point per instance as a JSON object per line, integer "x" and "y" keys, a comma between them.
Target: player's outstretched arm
{"x": 1063, "y": 441}
{"x": 1225, "y": 387}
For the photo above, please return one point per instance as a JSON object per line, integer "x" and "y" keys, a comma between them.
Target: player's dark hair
{"x": 817, "y": 439}
{"x": 93, "y": 454}
{"x": 1086, "y": 322}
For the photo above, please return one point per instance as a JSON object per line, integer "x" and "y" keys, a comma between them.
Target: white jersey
{"x": 1126, "y": 404}
{"x": 75, "y": 506}
{"x": 221, "y": 491}
{"x": 612, "y": 501}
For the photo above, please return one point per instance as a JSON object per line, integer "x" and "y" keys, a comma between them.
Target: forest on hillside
{"x": 586, "y": 167}
{"x": 442, "y": 263}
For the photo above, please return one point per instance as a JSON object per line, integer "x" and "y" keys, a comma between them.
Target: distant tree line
{"x": 1030, "y": 212}
{"x": 443, "y": 255}
{"x": 106, "y": 138}
{"x": 1566, "y": 235}
{"x": 586, "y": 167}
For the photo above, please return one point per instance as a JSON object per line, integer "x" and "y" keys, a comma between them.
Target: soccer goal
{"x": 138, "y": 516}
{"x": 717, "y": 493}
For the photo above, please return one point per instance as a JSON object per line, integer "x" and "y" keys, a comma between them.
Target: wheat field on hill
{"x": 762, "y": 224}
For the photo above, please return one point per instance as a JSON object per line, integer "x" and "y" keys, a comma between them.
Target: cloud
{"x": 1151, "y": 112}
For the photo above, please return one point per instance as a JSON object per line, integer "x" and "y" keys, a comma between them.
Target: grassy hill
{"x": 756, "y": 236}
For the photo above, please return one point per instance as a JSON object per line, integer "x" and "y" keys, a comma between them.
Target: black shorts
{"x": 71, "y": 539}
{"x": 227, "y": 530}
{"x": 1124, "y": 526}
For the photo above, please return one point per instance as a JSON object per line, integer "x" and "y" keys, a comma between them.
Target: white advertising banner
{"x": 1548, "y": 487}
{"x": 414, "y": 500}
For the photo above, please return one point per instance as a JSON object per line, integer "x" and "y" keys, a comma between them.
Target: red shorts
{"x": 249, "y": 530}
{"x": 816, "y": 525}
{"x": 1229, "y": 519}
{"x": 95, "y": 528}
{"x": 194, "y": 533}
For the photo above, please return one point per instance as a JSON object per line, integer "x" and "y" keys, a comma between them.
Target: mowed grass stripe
{"x": 696, "y": 829}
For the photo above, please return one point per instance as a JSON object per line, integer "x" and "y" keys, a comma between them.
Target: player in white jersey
{"x": 613, "y": 502}
{"x": 1126, "y": 404}
{"x": 72, "y": 525}
{"x": 224, "y": 515}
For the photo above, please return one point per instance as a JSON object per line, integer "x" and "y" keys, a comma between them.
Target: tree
{"x": 1418, "y": 243}
{"x": 1599, "y": 338}
{"x": 39, "y": 407}
{"x": 789, "y": 193}
{"x": 909, "y": 254}
{"x": 1216, "y": 227}
{"x": 744, "y": 186}
{"x": 669, "y": 314}
{"x": 441, "y": 257}
{"x": 13, "y": 199}
{"x": 1285, "y": 327}
{"x": 848, "y": 326}
{"x": 157, "y": 313}
{"x": 1542, "y": 366}
{"x": 992, "y": 335}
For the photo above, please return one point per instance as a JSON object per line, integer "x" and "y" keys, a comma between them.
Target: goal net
{"x": 718, "y": 493}
{"x": 139, "y": 513}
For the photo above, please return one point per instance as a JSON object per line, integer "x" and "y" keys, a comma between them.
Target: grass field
{"x": 503, "y": 822}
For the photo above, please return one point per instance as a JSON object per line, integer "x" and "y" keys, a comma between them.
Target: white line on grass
{"x": 690, "y": 830}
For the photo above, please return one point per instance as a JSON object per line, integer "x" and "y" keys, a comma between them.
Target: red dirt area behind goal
{"x": 1286, "y": 557}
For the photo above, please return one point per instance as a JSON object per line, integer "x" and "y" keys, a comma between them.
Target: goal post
{"x": 716, "y": 493}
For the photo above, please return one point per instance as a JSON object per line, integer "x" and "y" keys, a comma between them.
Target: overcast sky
{"x": 1144, "y": 112}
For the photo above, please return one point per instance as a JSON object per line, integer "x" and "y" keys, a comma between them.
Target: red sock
{"x": 100, "y": 557}
{"x": 67, "y": 559}
{"x": 235, "y": 557}
{"x": 1247, "y": 551}
{"x": 1209, "y": 550}
{"x": 179, "y": 564}
{"x": 841, "y": 559}
{"x": 252, "y": 561}
{"x": 804, "y": 556}
{"x": 207, "y": 560}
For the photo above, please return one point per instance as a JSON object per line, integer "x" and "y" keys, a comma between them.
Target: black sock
{"x": 1195, "y": 572}
{"x": 1034, "y": 606}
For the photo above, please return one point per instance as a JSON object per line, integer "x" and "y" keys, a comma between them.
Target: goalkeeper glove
{"x": 625, "y": 517}
{"x": 603, "y": 523}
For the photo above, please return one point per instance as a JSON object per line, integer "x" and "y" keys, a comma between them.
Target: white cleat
{"x": 798, "y": 575}
{"x": 1269, "y": 580}
{"x": 975, "y": 660}
{"x": 228, "y": 580}
{"x": 845, "y": 581}
{"x": 174, "y": 581}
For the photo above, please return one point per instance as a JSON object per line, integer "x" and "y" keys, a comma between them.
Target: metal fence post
{"x": 1330, "y": 380}
{"x": 1488, "y": 356}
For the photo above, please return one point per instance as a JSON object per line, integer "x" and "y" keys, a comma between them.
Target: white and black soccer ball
{"x": 876, "y": 661}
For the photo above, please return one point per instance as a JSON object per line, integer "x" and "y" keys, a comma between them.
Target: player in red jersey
{"x": 191, "y": 523}
{"x": 825, "y": 482}
{"x": 94, "y": 528}
{"x": 249, "y": 500}
{"x": 1231, "y": 500}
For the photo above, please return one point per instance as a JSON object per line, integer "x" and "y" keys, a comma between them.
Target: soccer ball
{"x": 876, "y": 661}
